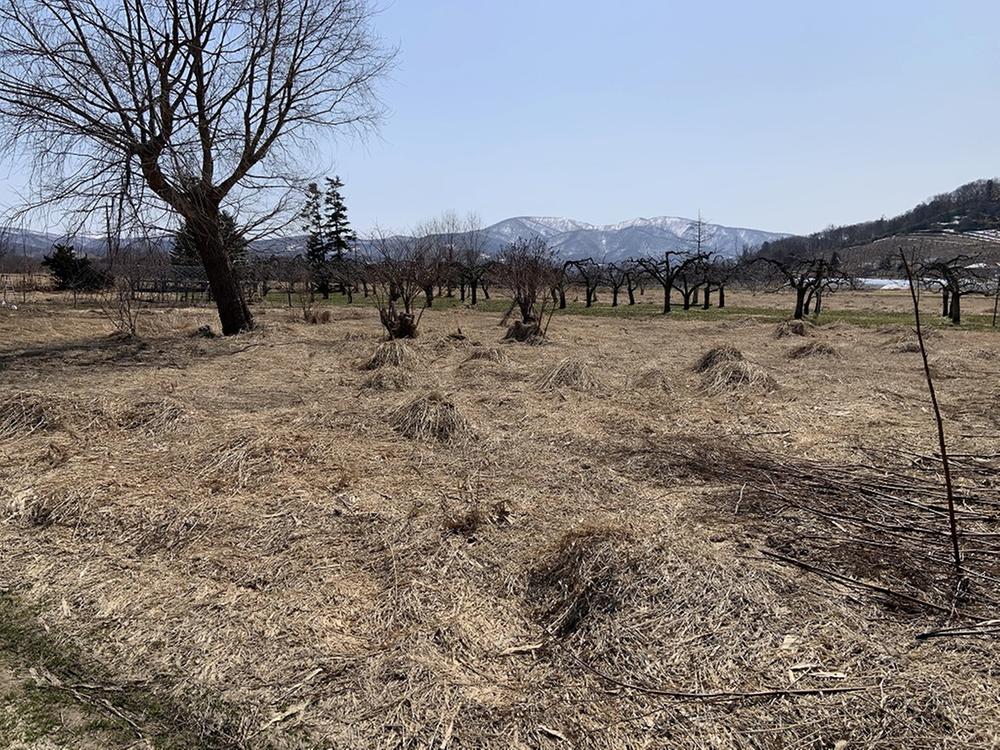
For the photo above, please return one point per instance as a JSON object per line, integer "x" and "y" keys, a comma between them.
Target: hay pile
{"x": 568, "y": 373}
{"x": 725, "y": 369}
{"x": 318, "y": 317}
{"x": 491, "y": 354}
{"x": 150, "y": 416}
{"x": 432, "y": 416}
{"x": 651, "y": 379}
{"x": 22, "y": 414}
{"x": 387, "y": 379}
{"x": 394, "y": 353}
{"x": 793, "y": 328}
{"x": 585, "y": 573}
{"x": 717, "y": 355}
{"x": 813, "y": 349}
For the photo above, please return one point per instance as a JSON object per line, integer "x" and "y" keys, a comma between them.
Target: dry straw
{"x": 793, "y": 328}
{"x": 813, "y": 349}
{"x": 568, "y": 373}
{"x": 432, "y": 416}
{"x": 393, "y": 353}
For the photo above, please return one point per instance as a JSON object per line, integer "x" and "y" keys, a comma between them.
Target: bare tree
{"x": 397, "y": 272}
{"x": 666, "y": 269}
{"x": 473, "y": 260}
{"x": 808, "y": 277}
{"x": 182, "y": 105}
{"x": 528, "y": 269}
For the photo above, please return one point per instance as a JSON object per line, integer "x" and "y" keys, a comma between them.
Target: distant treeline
{"x": 972, "y": 207}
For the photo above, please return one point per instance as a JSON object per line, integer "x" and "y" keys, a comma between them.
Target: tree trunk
{"x": 614, "y": 297}
{"x": 722, "y": 296}
{"x": 819, "y": 303}
{"x": 667, "y": 289}
{"x": 800, "y": 301}
{"x": 562, "y": 298}
{"x": 956, "y": 308}
{"x": 234, "y": 314}
{"x": 429, "y": 296}
{"x": 474, "y": 286}
{"x": 707, "y": 302}
{"x": 945, "y": 303}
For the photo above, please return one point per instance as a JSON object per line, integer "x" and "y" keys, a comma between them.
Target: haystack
{"x": 651, "y": 379}
{"x": 793, "y": 328}
{"x": 712, "y": 357}
{"x": 737, "y": 375}
{"x": 387, "y": 379}
{"x": 585, "y": 573}
{"x": 489, "y": 354}
{"x": 431, "y": 416}
{"x": 568, "y": 373}
{"x": 813, "y": 349}
{"x": 393, "y": 353}
{"x": 22, "y": 414}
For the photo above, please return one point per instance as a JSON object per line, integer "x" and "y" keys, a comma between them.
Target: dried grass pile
{"x": 318, "y": 317}
{"x": 908, "y": 347}
{"x": 737, "y": 375}
{"x": 387, "y": 379}
{"x": 432, "y": 416}
{"x": 22, "y": 414}
{"x": 586, "y": 573}
{"x": 651, "y": 379}
{"x": 241, "y": 462}
{"x": 717, "y": 355}
{"x": 569, "y": 373}
{"x": 491, "y": 354}
{"x": 394, "y": 353}
{"x": 150, "y": 416}
{"x": 793, "y": 328}
{"x": 813, "y": 349}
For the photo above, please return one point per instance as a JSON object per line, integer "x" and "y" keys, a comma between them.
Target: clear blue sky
{"x": 776, "y": 115}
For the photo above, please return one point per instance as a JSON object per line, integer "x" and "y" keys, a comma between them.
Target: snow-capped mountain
{"x": 570, "y": 238}
{"x": 628, "y": 239}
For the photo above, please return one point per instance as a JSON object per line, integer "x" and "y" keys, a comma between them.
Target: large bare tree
{"x": 193, "y": 103}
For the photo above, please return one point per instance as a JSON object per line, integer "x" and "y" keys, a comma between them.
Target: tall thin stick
{"x": 937, "y": 417}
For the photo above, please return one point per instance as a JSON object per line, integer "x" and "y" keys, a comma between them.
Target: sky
{"x": 775, "y": 115}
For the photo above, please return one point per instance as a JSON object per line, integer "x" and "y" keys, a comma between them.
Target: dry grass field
{"x": 306, "y": 538}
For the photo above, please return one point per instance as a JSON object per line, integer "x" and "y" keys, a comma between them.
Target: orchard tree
{"x": 183, "y": 105}
{"x": 185, "y": 249}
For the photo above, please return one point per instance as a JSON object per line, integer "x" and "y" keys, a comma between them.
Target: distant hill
{"x": 964, "y": 221}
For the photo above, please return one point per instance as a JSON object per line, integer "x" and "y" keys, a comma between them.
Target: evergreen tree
{"x": 340, "y": 237}
{"x": 73, "y": 272}
{"x": 185, "y": 249}
{"x": 330, "y": 238}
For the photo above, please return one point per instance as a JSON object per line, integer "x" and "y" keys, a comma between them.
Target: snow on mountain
{"x": 628, "y": 239}
{"x": 570, "y": 238}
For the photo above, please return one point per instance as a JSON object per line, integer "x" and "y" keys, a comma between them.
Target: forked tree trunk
{"x": 234, "y": 314}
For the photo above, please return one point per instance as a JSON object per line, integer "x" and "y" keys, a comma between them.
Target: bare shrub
{"x": 568, "y": 373}
{"x": 394, "y": 353}
{"x": 813, "y": 349}
{"x": 431, "y": 416}
{"x": 528, "y": 269}
{"x": 712, "y": 357}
